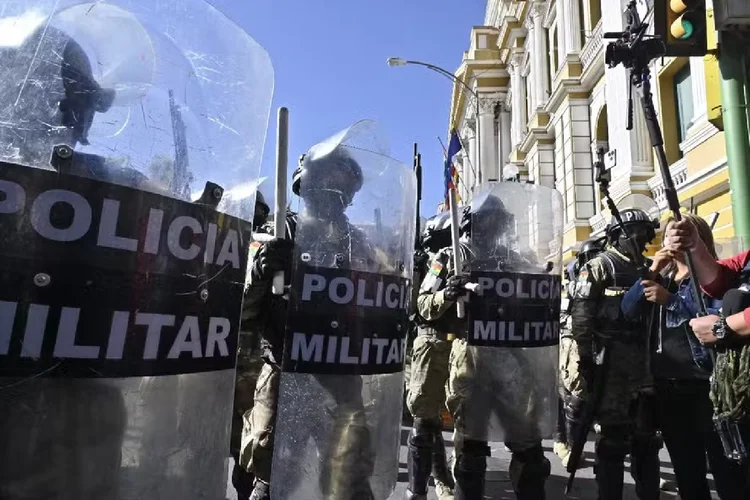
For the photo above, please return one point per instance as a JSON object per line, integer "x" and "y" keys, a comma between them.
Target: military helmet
{"x": 632, "y": 217}
{"x": 589, "y": 249}
{"x": 437, "y": 231}
{"x": 496, "y": 215}
{"x": 336, "y": 170}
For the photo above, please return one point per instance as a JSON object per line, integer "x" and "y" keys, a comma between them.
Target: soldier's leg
{"x": 419, "y": 457}
{"x": 249, "y": 365}
{"x": 256, "y": 452}
{"x": 529, "y": 470}
{"x": 560, "y": 446}
{"x": 612, "y": 445}
{"x": 348, "y": 461}
{"x": 646, "y": 443}
{"x": 426, "y": 451}
{"x": 470, "y": 469}
{"x": 471, "y": 455}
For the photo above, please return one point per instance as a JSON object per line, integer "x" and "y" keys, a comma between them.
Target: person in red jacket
{"x": 716, "y": 278}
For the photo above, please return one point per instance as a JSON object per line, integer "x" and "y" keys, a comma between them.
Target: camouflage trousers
{"x": 256, "y": 446}
{"x": 249, "y": 364}
{"x": 475, "y": 396}
{"x": 571, "y": 381}
{"x": 626, "y": 375}
{"x": 430, "y": 362}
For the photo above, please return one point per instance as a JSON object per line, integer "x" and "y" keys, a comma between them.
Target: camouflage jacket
{"x": 434, "y": 310}
{"x": 595, "y": 301}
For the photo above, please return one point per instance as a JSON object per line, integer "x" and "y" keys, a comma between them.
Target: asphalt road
{"x": 498, "y": 484}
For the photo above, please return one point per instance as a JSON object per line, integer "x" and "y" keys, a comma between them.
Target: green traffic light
{"x": 689, "y": 29}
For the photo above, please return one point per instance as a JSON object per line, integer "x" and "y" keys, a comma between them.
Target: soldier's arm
{"x": 431, "y": 301}
{"x": 585, "y": 304}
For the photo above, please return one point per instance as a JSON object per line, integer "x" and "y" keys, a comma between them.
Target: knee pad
{"x": 473, "y": 456}
{"x": 612, "y": 445}
{"x": 423, "y": 433}
{"x": 530, "y": 463}
{"x": 572, "y": 408}
{"x": 647, "y": 444}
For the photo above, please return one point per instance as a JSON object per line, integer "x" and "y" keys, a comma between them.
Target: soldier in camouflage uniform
{"x": 426, "y": 391}
{"x": 570, "y": 380}
{"x": 267, "y": 315}
{"x": 249, "y": 364}
{"x": 437, "y": 307}
{"x": 598, "y": 324}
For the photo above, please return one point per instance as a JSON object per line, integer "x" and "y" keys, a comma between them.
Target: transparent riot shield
{"x": 508, "y": 384}
{"x": 337, "y": 432}
{"x": 122, "y": 124}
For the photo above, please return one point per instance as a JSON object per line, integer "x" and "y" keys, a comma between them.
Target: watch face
{"x": 719, "y": 329}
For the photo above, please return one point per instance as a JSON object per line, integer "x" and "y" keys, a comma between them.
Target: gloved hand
{"x": 273, "y": 256}
{"x": 420, "y": 259}
{"x": 455, "y": 287}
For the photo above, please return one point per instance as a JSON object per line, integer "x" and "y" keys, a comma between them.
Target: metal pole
{"x": 734, "y": 106}
{"x": 279, "y": 204}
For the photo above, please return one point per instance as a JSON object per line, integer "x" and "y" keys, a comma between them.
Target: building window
{"x": 683, "y": 100}
{"x": 553, "y": 59}
{"x": 595, "y": 13}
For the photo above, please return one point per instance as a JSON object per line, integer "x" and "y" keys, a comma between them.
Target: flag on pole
{"x": 450, "y": 173}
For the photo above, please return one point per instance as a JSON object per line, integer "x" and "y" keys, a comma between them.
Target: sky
{"x": 330, "y": 67}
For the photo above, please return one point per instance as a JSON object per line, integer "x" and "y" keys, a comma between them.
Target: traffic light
{"x": 681, "y": 25}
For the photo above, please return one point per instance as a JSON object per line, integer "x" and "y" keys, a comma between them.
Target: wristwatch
{"x": 721, "y": 329}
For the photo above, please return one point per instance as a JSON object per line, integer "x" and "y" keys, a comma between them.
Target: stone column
{"x": 533, "y": 50}
{"x": 471, "y": 146}
{"x": 541, "y": 64}
{"x": 573, "y": 29}
{"x": 517, "y": 95}
{"x": 504, "y": 138}
{"x": 562, "y": 29}
{"x": 487, "y": 143}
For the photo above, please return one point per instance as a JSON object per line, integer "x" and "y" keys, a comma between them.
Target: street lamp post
{"x": 395, "y": 62}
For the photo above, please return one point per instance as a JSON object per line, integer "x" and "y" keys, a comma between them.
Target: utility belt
{"x": 439, "y": 334}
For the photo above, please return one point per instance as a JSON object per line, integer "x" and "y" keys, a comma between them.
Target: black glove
{"x": 273, "y": 256}
{"x": 420, "y": 259}
{"x": 455, "y": 287}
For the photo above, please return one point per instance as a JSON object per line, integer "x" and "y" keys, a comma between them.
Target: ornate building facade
{"x": 543, "y": 101}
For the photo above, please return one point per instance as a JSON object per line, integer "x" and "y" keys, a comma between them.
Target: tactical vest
{"x": 622, "y": 275}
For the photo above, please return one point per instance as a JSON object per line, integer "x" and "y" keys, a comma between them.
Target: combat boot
{"x": 261, "y": 491}
{"x": 443, "y": 491}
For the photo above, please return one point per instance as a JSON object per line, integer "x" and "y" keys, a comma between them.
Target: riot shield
{"x": 121, "y": 273}
{"x": 337, "y": 431}
{"x": 508, "y": 386}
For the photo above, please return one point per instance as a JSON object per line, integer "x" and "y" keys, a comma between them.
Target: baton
{"x": 460, "y": 306}
{"x": 279, "y": 205}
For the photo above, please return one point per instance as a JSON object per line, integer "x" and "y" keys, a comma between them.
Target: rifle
{"x": 635, "y": 51}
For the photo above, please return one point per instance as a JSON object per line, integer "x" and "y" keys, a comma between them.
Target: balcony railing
{"x": 592, "y": 47}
